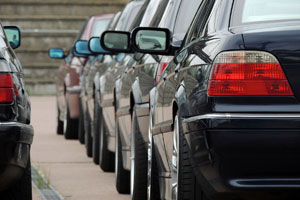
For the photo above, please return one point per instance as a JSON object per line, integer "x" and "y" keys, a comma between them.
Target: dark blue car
{"x": 225, "y": 116}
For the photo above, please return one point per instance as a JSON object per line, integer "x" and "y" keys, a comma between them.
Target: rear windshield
{"x": 99, "y": 27}
{"x": 261, "y": 11}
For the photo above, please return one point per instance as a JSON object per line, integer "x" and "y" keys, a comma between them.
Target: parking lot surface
{"x": 64, "y": 163}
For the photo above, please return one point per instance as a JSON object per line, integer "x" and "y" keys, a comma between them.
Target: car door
{"x": 179, "y": 78}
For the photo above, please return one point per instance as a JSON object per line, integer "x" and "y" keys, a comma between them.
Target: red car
{"x": 68, "y": 77}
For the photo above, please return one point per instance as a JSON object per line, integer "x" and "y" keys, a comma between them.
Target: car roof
{"x": 91, "y": 20}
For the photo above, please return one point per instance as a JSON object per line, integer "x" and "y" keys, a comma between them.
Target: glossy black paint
{"x": 232, "y": 155}
{"x": 133, "y": 86}
{"x": 16, "y": 134}
{"x": 116, "y": 67}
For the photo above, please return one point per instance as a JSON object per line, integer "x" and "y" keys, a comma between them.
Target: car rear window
{"x": 99, "y": 27}
{"x": 260, "y": 11}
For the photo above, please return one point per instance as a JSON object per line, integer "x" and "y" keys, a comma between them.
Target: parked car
{"x": 130, "y": 18}
{"x": 91, "y": 118}
{"x": 133, "y": 87}
{"x": 68, "y": 82}
{"x": 226, "y": 108}
{"x": 151, "y": 17}
{"x": 16, "y": 133}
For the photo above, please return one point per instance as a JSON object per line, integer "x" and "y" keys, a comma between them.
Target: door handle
{"x": 165, "y": 76}
{"x": 177, "y": 68}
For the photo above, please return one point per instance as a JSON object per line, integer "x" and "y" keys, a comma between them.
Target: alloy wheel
{"x": 116, "y": 152}
{"x": 132, "y": 164}
{"x": 149, "y": 150}
{"x": 175, "y": 160}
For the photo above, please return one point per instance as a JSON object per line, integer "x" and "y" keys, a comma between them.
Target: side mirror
{"x": 152, "y": 40}
{"x": 95, "y": 46}
{"x": 13, "y": 35}
{"x": 81, "y": 47}
{"x": 116, "y": 41}
{"x": 56, "y": 53}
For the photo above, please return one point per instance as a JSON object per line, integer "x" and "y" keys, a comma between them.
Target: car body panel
{"x": 16, "y": 133}
{"x": 115, "y": 68}
{"x": 235, "y": 143}
{"x": 68, "y": 81}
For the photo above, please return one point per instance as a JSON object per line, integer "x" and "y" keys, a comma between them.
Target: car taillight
{"x": 247, "y": 73}
{"x": 6, "y": 88}
{"x": 160, "y": 70}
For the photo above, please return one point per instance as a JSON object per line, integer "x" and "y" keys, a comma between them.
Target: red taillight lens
{"x": 6, "y": 95}
{"x": 160, "y": 70}
{"x": 247, "y": 73}
{"x": 6, "y": 88}
{"x": 6, "y": 81}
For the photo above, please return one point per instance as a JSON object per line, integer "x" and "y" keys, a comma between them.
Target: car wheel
{"x": 138, "y": 162}
{"x": 106, "y": 157}
{"x": 81, "y": 126}
{"x": 88, "y": 140}
{"x": 22, "y": 189}
{"x": 122, "y": 175}
{"x": 70, "y": 126}
{"x": 96, "y": 132}
{"x": 183, "y": 181}
{"x": 153, "y": 192}
{"x": 60, "y": 124}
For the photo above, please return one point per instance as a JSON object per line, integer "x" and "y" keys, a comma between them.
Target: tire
{"x": 22, "y": 189}
{"x": 81, "y": 126}
{"x": 122, "y": 175}
{"x": 153, "y": 192}
{"x": 183, "y": 185}
{"x": 106, "y": 157}
{"x": 96, "y": 132}
{"x": 138, "y": 161}
{"x": 70, "y": 127}
{"x": 60, "y": 124}
{"x": 88, "y": 140}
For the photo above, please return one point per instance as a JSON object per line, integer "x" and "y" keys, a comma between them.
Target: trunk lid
{"x": 283, "y": 41}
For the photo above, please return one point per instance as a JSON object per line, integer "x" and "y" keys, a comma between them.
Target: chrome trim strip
{"x": 280, "y": 183}
{"x": 142, "y": 109}
{"x": 123, "y": 111}
{"x": 107, "y": 103}
{"x": 239, "y": 115}
{"x": 162, "y": 127}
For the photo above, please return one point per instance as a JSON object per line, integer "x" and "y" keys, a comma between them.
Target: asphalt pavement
{"x": 63, "y": 163}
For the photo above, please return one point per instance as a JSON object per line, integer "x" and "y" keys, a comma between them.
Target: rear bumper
{"x": 15, "y": 141}
{"x": 234, "y": 153}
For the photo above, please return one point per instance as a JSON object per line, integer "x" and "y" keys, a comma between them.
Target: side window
{"x": 1, "y": 31}
{"x": 200, "y": 21}
{"x": 184, "y": 19}
{"x": 213, "y": 22}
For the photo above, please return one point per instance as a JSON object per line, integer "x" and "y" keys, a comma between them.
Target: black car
{"x": 124, "y": 113}
{"x": 133, "y": 87}
{"x": 113, "y": 65}
{"x": 16, "y": 133}
{"x": 225, "y": 114}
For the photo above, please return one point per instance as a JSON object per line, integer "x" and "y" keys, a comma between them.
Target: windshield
{"x": 260, "y": 11}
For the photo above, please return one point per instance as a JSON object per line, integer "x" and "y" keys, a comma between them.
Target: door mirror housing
{"x": 56, "y": 53}
{"x": 81, "y": 47}
{"x": 116, "y": 41}
{"x": 152, "y": 40}
{"x": 95, "y": 47}
{"x": 13, "y": 35}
